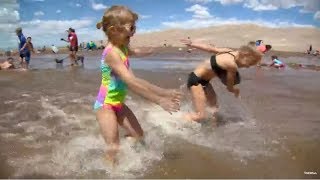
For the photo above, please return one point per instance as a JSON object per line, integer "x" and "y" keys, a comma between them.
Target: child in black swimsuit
{"x": 223, "y": 64}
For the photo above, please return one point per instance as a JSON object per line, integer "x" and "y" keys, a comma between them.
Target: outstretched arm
{"x": 145, "y": 89}
{"x": 231, "y": 74}
{"x": 62, "y": 39}
{"x": 159, "y": 91}
{"x": 138, "y": 52}
{"x": 23, "y": 47}
{"x": 204, "y": 47}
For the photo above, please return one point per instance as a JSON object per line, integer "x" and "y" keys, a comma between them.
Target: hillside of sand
{"x": 282, "y": 39}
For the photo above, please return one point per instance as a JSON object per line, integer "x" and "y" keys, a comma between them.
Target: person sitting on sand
{"x": 119, "y": 25}
{"x": 223, "y": 64}
{"x": 7, "y": 64}
{"x": 276, "y": 62}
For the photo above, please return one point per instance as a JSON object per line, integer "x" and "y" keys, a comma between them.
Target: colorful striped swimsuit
{"x": 113, "y": 90}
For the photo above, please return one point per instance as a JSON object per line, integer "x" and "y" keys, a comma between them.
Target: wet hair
{"x": 248, "y": 54}
{"x": 115, "y": 17}
{"x": 274, "y": 57}
{"x": 268, "y": 47}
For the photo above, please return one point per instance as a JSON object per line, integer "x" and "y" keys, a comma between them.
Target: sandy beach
{"x": 49, "y": 130}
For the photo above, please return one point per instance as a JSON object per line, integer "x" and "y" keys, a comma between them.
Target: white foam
{"x": 77, "y": 148}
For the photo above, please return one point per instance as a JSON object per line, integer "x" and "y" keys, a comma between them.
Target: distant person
{"x": 102, "y": 46}
{"x": 119, "y": 25}
{"x": 276, "y": 62}
{"x": 54, "y": 49}
{"x": 165, "y": 43}
{"x": 73, "y": 48}
{"x": 28, "y": 48}
{"x": 224, "y": 64}
{"x": 309, "y": 50}
{"x": 22, "y": 42}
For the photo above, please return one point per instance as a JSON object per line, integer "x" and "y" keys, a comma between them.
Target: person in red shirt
{"x": 73, "y": 40}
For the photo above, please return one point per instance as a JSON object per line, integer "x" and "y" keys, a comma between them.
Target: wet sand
{"x": 48, "y": 128}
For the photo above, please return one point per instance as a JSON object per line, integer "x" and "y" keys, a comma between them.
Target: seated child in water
{"x": 276, "y": 62}
{"x": 223, "y": 64}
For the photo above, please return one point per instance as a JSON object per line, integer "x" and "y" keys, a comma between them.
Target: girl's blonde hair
{"x": 249, "y": 54}
{"x": 116, "y": 16}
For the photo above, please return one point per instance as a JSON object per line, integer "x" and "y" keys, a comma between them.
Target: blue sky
{"x": 47, "y": 20}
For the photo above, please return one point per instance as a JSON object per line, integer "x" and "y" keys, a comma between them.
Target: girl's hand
{"x": 171, "y": 103}
{"x": 236, "y": 92}
{"x": 186, "y": 42}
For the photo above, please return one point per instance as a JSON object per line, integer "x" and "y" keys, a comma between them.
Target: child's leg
{"x": 212, "y": 102}
{"x": 199, "y": 102}
{"x": 109, "y": 127}
{"x": 27, "y": 60}
{"x": 211, "y": 97}
{"x": 24, "y": 63}
{"x": 72, "y": 58}
{"x": 129, "y": 121}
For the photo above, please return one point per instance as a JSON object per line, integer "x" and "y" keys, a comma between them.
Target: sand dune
{"x": 282, "y": 39}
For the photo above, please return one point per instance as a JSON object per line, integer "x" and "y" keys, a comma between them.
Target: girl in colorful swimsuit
{"x": 223, "y": 64}
{"x": 118, "y": 23}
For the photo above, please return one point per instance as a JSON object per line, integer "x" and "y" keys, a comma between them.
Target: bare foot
{"x": 192, "y": 117}
{"x": 111, "y": 160}
{"x": 136, "y": 143}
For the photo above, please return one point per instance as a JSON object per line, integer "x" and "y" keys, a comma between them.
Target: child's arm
{"x": 32, "y": 49}
{"x": 231, "y": 74}
{"x": 170, "y": 104}
{"x": 272, "y": 63}
{"x": 205, "y": 47}
{"x": 23, "y": 47}
{"x": 159, "y": 91}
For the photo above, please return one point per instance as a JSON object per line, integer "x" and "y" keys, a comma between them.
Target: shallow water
{"x": 48, "y": 128}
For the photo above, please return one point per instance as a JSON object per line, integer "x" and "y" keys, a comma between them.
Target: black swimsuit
{"x": 222, "y": 73}
{"x": 194, "y": 80}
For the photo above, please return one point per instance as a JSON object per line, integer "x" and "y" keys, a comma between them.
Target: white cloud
{"x": 200, "y": 12}
{"x": 317, "y": 15}
{"x": 199, "y": 1}
{"x": 9, "y": 19}
{"x": 58, "y": 11}
{"x": 172, "y": 17}
{"x": 78, "y": 5}
{"x": 260, "y": 5}
{"x": 196, "y": 23}
{"x": 38, "y": 13}
{"x": 98, "y": 6}
{"x": 145, "y": 16}
{"x": 8, "y": 15}
{"x": 47, "y": 32}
